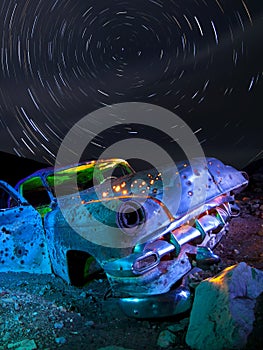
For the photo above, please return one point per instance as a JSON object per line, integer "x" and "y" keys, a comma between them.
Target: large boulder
{"x": 222, "y": 315}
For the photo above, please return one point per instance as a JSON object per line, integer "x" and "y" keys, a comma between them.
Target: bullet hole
{"x": 19, "y": 251}
{"x": 12, "y": 258}
{"x": 4, "y": 229}
{"x": 22, "y": 262}
{"x": 2, "y": 261}
{"x": 41, "y": 245}
{"x": 4, "y": 240}
{"x": 6, "y": 255}
{"x": 21, "y": 209}
{"x": 188, "y": 183}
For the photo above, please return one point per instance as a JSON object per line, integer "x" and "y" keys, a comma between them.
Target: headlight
{"x": 130, "y": 217}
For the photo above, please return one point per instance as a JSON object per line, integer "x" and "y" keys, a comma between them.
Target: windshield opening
{"x": 83, "y": 177}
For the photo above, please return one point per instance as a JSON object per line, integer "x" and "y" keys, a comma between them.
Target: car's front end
{"x": 149, "y": 231}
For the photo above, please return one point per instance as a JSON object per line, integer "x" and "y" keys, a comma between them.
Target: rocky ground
{"x": 43, "y": 312}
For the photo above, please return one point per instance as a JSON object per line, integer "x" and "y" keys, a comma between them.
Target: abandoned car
{"x": 146, "y": 230}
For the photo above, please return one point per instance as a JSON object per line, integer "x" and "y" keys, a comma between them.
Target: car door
{"x": 22, "y": 238}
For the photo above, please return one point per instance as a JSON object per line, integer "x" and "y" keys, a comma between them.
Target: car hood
{"x": 181, "y": 187}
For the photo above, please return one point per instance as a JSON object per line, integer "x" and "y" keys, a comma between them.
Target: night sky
{"x": 63, "y": 59}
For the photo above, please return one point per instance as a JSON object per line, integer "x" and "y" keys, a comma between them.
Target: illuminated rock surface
{"x": 223, "y": 310}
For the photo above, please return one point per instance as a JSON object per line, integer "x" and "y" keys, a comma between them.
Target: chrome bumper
{"x": 168, "y": 304}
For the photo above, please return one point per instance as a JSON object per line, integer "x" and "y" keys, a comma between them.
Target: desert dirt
{"x": 45, "y": 312}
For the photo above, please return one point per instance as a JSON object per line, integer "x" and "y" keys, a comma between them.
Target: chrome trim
{"x": 182, "y": 220}
{"x": 161, "y": 247}
{"x": 138, "y": 271}
{"x": 155, "y": 306}
{"x": 223, "y": 213}
{"x": 208, "y": 223}
{"x": 183, "y": 235}
{"x": 121, "y": 267}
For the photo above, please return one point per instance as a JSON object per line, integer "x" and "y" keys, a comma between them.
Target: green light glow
{"x": 31, "y": 184}
{"x": 88, "y": 175}
{"x": 39, "y": 189}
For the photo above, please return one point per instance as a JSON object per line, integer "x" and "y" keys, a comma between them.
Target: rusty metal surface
{"x": 23, "y": 243}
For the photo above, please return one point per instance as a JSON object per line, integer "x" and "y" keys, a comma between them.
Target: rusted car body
{"x": 147, "y": 230}
{"x": 23, "y": 241}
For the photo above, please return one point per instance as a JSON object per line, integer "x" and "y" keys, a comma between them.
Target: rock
{"x": 83, "y": 295}
{"x": 25, "y": 344}
{"x": 180, "y": 326}
{"x": 58, "y": 325}
{"x": 260, "y": 232}
{"x": 222, "y": 315}
{"x": 6, "y": 336}
{"x": 89, "y": 323}
{"x": 255, "y": 339}
{"x": 166, "y": 338}
{"x": 169, "y": 337}
{"x": 60, "y": 340}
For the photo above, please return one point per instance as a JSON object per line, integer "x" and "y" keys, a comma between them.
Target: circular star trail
{"x": 63, "y": 59}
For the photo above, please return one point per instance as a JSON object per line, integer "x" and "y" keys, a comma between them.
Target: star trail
{"x": 61, "y": 60}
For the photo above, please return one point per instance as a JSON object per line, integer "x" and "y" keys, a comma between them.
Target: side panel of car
{"x": 23, "y": 242}
{"x": 92, "y": 229}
